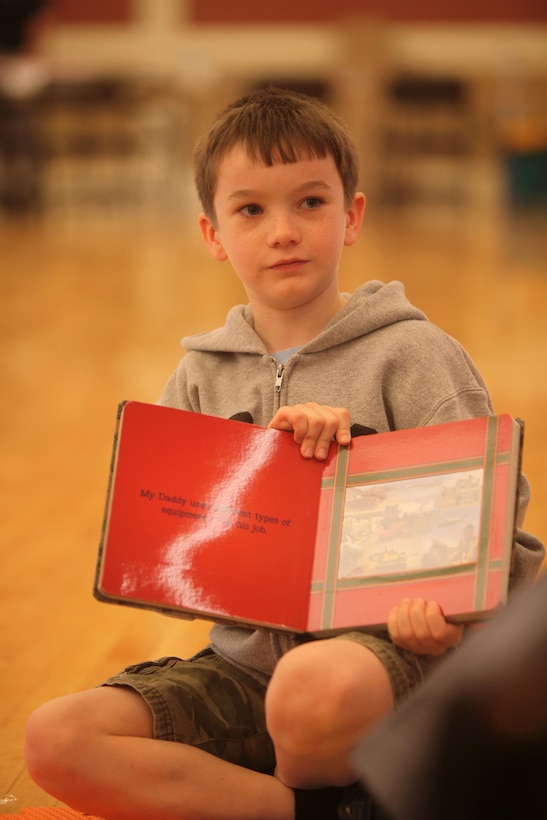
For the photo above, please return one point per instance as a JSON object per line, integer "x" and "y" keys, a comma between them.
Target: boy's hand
{"x": 420, "y": 626}
{"x": 314, "y": 427}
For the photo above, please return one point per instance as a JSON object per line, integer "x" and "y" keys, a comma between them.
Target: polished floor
{"x": 92, "y": 308}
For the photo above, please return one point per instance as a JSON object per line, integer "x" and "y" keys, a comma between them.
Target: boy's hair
{"x": 275, "y": 125}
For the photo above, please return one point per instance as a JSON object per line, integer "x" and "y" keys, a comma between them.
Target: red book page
{"x": 211, "y": 517}
{"x": 417, "y": 513}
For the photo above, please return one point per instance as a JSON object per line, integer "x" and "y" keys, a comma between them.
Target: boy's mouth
{"x": 287, "y": 264}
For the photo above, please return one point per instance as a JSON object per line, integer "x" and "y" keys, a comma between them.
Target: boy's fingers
{"x": 321, "y": 429}
{"x": 445, "y": 633}
{"x": 314, "y": 427}
{"x": 325, "y": 424}
{"x": 343, "y": 434}
{"x": 420, "y": 626}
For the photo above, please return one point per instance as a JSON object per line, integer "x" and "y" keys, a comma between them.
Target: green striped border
{"x": 338, "y": 483}
{"x": 329, "y": 585}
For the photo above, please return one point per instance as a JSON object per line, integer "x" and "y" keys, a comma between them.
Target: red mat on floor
{"x": 53, "y": 814}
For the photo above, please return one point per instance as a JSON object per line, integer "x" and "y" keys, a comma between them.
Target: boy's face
{"x": 282, "y": 227}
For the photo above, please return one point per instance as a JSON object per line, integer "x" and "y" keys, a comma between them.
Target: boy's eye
{"x": 312, "y": 202}
{"x": 250, "y": 210}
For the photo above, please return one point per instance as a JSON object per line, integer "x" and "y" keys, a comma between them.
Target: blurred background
{"x": 101, "y": 101}
{"x": 102, "y": 270}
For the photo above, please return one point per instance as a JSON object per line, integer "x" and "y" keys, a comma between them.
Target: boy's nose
{"x": 283, "y": 231}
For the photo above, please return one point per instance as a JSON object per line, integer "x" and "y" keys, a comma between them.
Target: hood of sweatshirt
{"x": 373, "y": 305}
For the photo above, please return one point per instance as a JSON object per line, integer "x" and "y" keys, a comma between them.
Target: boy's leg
{"x": 95, "y": 752}
{"x": 323, "y": 697}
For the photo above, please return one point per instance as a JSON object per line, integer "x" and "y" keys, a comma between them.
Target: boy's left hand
{"x": 420, "y": 626}
{"x": 314, "y": 426}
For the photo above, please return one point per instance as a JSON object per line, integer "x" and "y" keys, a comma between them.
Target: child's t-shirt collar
{"x": 283, "y": 356}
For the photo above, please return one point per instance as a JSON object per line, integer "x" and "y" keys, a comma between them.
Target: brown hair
{"x": 275, "y": 125}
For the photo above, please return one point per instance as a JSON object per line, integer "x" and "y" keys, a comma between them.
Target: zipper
{"x": 279, "y": 373}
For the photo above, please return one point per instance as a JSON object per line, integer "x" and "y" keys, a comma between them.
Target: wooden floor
{"x": 92, "y": 310}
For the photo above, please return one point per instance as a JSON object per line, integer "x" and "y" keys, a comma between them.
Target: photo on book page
{"x": 411, "y": 524}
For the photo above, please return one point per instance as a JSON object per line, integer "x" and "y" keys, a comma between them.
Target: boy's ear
{"x": 211, "y": 238}
{"x": 354, "y": 218}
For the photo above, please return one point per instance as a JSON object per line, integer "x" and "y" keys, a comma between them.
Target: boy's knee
{"x": 305, "y": 698}
{"x": 57, "y": 738}
{"x": 62, "y": 735}
{"x": 325, "y": 689}
{"x": 50, "y": 743}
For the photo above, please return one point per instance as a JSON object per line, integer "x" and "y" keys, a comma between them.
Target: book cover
{"x": 226, "y": 521}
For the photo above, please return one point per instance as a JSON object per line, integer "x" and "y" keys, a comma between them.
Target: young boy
{"x": 259, "y": 726}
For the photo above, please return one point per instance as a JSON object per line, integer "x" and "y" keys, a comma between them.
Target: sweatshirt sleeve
{"x": 432, "y": 381}
{"x": 528, "y": 551}
{"x": 175, "y": 393}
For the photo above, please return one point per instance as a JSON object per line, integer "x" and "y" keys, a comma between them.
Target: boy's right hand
{"x": 420, "y": 626}
{"x": 314, "y": 427}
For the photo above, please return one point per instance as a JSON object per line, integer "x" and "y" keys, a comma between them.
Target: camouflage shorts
{"x": 209, "y": 703}
{"x": 205, "y": 702}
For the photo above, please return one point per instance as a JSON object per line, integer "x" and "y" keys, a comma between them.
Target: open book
{"x": 226, "y": 521}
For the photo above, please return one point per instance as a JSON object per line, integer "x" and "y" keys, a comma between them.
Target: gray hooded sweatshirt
{"x": 380, "y": 358}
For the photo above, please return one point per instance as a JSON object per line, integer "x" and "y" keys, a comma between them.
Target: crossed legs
{"x": 96, "y": 751}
